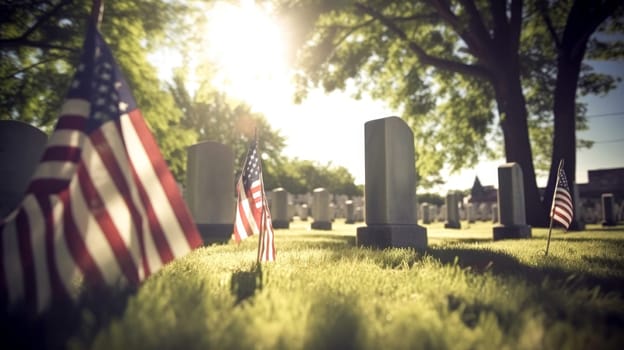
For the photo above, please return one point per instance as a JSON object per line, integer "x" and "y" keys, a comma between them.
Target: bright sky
{"x": 251, "y": 52}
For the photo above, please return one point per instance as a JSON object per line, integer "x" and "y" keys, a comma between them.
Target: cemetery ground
{"x": 465, "y": 292}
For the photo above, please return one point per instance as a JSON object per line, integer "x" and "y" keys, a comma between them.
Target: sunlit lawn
{"x": 466, "y": 292}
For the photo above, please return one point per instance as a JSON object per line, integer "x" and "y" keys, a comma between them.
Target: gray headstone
{"x": 494, "y": 213}
{"x": 452, "y": 211}
{"x": 426, "y": 214}
{"x": 21, "y": 148}
{"x": 320, "y": 210}
{"x": 303, "y": 212}
{"x": 511, "y": 208}
{"x": 390, "y": 183}
{"x": 433, "y": 212}
{"x": 608, "y": 210}
{"x": 471, "y": 213}
{"x": 210, "y": 190}
{"x": 350, "y": 212}
{"x": 279, "y": 208}
{"x": 577, "y": 221}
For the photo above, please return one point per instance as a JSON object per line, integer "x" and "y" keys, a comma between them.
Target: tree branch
{"x": 453, "y": 66}
{"x": 542, "y": 5}
{"x": 51, "y": 59}
{"x": 18, "y": 42}
{"x": 42, "y": 19}
{"x": 477, "y": 39}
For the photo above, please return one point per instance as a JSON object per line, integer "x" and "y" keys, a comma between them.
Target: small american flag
{"x": 102, "y": 208}
{"x": 562, "y": 209}
{"x": 252, "y": 210}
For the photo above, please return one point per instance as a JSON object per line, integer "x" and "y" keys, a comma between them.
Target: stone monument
{"x": 21, "y": 148}
{"x": 320, "y": 210}
{"x": 210, "y": 190}
{"x": 452, "y": 211}
{"x": 390, "y": 182}
{"x": 511, "y": 210}
{"x": 279, "y": 208}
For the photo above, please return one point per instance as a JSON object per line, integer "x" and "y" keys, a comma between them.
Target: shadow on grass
{"x": 502, "y": 264}
{"x": 23, "y": 328}
{"x": 244, "y": 284}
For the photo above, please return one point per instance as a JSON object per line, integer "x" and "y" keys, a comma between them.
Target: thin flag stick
{"x": 552, "y": 205}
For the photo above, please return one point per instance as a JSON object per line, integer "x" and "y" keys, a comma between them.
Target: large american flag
{"x": 252, "y": 210}
{"x": 102, "y": 208}
{"x": 562, "y": 209}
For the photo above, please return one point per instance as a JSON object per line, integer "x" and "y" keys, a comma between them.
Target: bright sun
{"x": 249, "y": 49}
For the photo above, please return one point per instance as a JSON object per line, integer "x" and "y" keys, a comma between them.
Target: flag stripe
{"x": 61, "y": 154}
{"x": 159, "y": 238}
{"x": 102, "y": 207}
{"x": 157, "y": 178}
{"x": 69, "y": 272}
{"x": 169, "y": 186}
{"x": 49, "y": 221}
{"x": 562, "y": 209}
{"x": 76, "y": 225}
{"x": 252, "y": 212}
{"x": 98, "y": 207}
{"x": 129, "y": 220}
{"x": 26, "y": 256}
{"x": 38, "y": 240}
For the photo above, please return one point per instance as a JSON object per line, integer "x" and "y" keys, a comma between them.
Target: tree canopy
{"x": 463, "y": 72}
{"x": 40, "y": 44}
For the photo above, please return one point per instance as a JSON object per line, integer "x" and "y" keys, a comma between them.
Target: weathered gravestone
{"x": 433, "y": 212}
{"x": 452, "y": 211}
{"x": 279, "y": 208}
{"x": 608, "y": 210}
{"x": 426, "y": 215}
{"x": 511, "y": 210}
{"x": 577, "y": 221}
{"x": 494, "y": 213}
{"x": 21, "y": 147}
{"x": 303, "y": 212}
{"x": 349, "y": 212}
{"x": 320, "y": 210}
{"x": 471, "y": 213}
{"x": 390, "y": 181}
{"x": 210, "y": 190}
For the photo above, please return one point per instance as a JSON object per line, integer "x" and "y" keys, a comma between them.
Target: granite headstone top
{"x": 320, "y": 210}
{"x": 390, "y": 181}
{"x": 210, "y": 190}
{"x": 21, "y": 148}
{"x": 279, "y": 208}
{"x": 511, "y": 209}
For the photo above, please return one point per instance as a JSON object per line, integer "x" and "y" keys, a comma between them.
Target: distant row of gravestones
{"x": 389, "y": 210}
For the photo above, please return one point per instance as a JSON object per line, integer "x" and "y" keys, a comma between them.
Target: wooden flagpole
{"x": 552, "y": 205}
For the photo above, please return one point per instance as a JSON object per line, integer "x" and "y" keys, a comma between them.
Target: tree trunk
{"x": 564, "y": 139}
{"x": 583, "y": 20}
{"x": 512, "y": 107}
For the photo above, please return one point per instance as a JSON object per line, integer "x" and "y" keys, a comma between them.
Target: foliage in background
{"x": 303, "y": 176}
{"x": 463, "y": 72}
{"x": 40, "y": 44}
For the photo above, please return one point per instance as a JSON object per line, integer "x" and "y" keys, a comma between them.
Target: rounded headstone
{"x": 21, "y": 147}
{"x": 210, "y": 190}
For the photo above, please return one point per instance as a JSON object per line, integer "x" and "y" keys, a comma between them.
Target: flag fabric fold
{"x": 562, "y": 209}
{"x": 252, "y": 209}
{"x": 102, "y": 208}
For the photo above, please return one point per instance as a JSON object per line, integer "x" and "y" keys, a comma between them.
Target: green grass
{"x": 465, "y": 292}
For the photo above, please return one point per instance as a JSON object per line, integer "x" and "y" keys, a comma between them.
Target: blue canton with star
{"x": 100, "y": 81}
